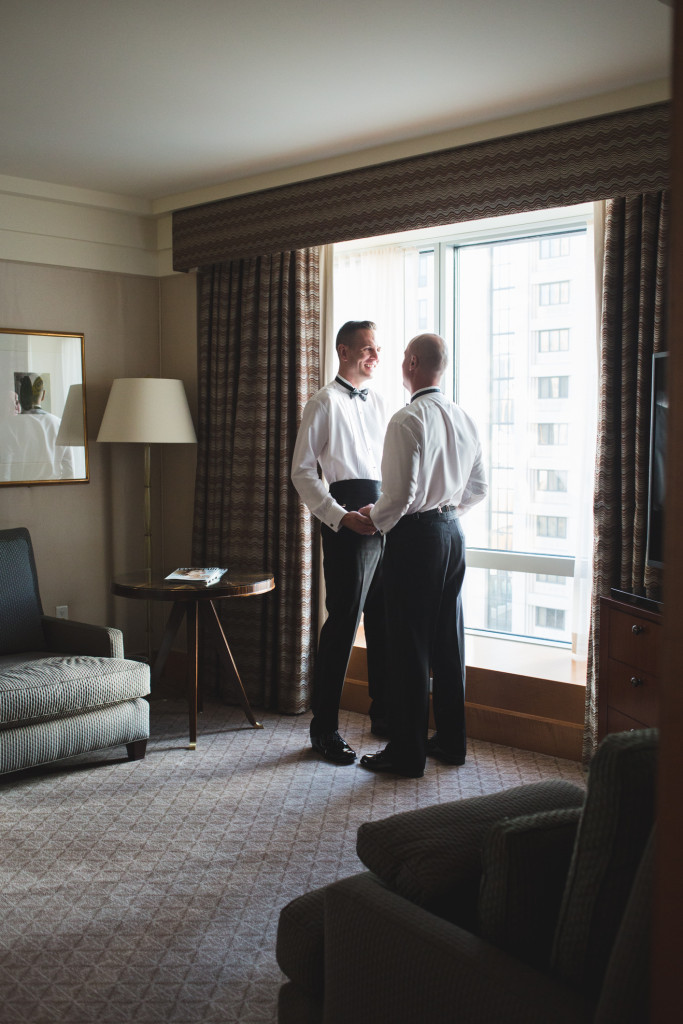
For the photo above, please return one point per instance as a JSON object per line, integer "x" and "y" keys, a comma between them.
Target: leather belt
{"x": 432, "y": 513}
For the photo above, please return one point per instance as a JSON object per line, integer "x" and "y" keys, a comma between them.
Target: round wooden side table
{"x": 196, "y": 604}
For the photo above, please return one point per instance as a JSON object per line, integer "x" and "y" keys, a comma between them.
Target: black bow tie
{"x": 360, "y": 392}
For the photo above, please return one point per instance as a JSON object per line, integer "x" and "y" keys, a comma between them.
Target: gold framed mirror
{"x": 43, "y": 430}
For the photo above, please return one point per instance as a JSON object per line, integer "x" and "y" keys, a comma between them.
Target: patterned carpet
{"x": 150, "y": 891}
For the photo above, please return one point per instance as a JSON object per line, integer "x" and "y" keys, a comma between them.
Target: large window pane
{"x": 518, "y": 604}
{"x": 514, "y": 298}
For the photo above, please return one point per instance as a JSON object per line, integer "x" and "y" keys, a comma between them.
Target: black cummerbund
{"x": 355, "y": 494}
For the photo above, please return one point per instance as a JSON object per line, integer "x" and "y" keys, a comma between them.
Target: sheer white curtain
{"x": 369, "y": 285}
{"x": 583, "y": 561}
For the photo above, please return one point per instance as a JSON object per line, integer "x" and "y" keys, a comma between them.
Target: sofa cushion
{"x": 432, "y": 856}
{"x": 525, "y": 862}
{"x": 20, "y": 610}
{"x": 37, "y": 688}
{"x": 300, "y": 945}
{"x": 613, "y": 832}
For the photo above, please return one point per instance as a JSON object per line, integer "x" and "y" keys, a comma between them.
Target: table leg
{"x": 192, "y": 667}
{"x": 227, "y": 660}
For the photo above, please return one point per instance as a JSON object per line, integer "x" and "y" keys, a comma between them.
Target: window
{"x": 519, "y": 340}
{"x": 553, "y": 246}
{"x": 553, "y": 341}
{"x": 423, "y": 268}
{"x": 553, "y": 433}
{"x": 499, "y": 602}
{"x": 551, "y": 526}
{"x": 554, "y": 293}
{"x": 551, "y": 479}
{"x": 550, "y": 618}
{"x": 553, "y": 387}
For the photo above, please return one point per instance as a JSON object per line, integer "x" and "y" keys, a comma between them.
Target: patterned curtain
{"x": 258, "y": 365}
{"x": 632, "y": 329}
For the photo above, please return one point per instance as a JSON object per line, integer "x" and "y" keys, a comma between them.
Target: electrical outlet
{"x": 62, "y": 611}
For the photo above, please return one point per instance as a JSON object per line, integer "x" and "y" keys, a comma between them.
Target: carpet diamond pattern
{"x": 149, "y": 891}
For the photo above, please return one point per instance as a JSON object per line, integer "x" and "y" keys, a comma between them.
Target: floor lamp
{"x": 71, "y": 432}
{"x": 147, "y": 410}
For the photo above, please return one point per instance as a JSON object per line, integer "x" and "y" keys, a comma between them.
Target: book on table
{"x": 200, "y": 577}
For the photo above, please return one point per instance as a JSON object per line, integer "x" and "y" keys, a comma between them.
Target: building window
{"x": 551, "y": 479}
{"x": 499, "y": 601}
{"x": 550, "y": 618}
{"x": 553, "y": 246}
{"x": 551, "y": 526}
{"x": 424, "y": 262}
{"x": 553, "y": 293}
{"x": 545, "y": 577}
{"x": 553, "y": 433}
{"x": 553, "y": 341}
{"x": 553, "y": 387}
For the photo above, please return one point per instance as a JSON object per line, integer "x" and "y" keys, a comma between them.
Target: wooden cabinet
{"x": 630, "y": 645}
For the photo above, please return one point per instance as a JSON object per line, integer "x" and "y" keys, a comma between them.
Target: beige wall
{"x": 82, "y": 533}
{"x": 179, "y": 359}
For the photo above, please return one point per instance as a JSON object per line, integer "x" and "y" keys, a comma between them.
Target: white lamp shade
{"x": 152, "y": 410}
{"x": 71, "y": 428}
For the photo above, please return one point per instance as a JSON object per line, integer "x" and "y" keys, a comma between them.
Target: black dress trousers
{"x": 424, "y": 568}
{"x": 352, "y": 568}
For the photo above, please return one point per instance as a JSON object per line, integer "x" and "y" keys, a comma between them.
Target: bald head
{"x": 425, "y": 361}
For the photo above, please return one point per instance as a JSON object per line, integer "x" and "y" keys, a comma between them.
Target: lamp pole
{"x": 148, "y": 541}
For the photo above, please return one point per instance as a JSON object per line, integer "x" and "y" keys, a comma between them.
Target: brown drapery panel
{"x": 258, "y": 365}
{"x": 633, "y": 328}
{"x": 620, "y": 154}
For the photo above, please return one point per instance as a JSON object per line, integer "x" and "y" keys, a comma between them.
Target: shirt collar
{"x": 424, "y": 391}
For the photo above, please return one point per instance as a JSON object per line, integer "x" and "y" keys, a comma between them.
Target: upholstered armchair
{"x": 530, "y": 905}
{"x": 65, "y": 686}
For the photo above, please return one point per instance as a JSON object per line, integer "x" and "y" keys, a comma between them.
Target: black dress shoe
{"x": 383, "y": 761}
{"x": 333, "y": 748}
{"x": 380, "y": 727}
{"x": 436, "y": 751}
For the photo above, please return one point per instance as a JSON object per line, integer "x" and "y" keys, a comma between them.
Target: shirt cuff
{"x": 334, "y": 515}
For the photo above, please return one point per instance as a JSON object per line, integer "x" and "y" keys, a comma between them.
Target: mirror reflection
{"x": 43, "y": 437}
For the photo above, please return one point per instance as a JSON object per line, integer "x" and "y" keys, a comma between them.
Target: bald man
{"x": 432, "y": 472}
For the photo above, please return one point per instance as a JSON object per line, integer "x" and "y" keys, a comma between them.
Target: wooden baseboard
{"x": 496, "y": 725}
{"x": 543, "y": 715}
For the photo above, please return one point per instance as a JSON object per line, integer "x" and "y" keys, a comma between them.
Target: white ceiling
{"x": 146, "y": 98}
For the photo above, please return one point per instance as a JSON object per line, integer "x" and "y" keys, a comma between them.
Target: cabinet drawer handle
{"x": 637, "y": 629}
{"x": 635, "y": 681}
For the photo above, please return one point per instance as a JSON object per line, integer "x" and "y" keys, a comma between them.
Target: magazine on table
{"x": 202, "y": 577}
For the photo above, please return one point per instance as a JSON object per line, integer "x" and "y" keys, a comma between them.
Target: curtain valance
{"x": 620, "y": 154}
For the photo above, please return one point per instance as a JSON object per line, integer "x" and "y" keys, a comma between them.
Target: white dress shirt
{"x": 29, "y": 449}
{"x": 344, "y": 435}
{"x": 432, "y": 457}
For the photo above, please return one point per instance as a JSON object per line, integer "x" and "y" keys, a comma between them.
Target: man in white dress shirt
{"x": 432, "y": 471}
{"x": 28, "y": 441}
{"x": 342, "y": 431}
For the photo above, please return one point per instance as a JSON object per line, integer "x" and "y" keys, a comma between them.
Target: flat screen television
{"x": 657, "y": 485}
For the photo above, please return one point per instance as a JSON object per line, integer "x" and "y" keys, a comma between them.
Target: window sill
{"x": 519, "y": 657}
